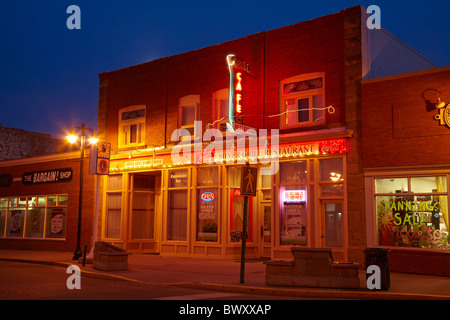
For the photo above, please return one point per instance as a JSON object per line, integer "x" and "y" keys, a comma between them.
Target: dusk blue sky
{"x": 49, "y": 74}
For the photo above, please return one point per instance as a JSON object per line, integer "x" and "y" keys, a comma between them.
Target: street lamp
{"x": 72, "y": 139}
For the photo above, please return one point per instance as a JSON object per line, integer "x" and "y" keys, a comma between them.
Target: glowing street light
{"x": 72, "y": 139}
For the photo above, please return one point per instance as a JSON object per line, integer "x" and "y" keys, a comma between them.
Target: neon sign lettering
{"x": 208, "y": 196}
{"x": 294, "y": 196}
{"x": 238, "y": 93}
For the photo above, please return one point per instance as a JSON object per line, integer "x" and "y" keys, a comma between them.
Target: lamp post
{"x": 72, "y": 139}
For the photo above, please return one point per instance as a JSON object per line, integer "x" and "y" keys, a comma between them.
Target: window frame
{"x": 139, "y": 122}
{"x": 45, "y": 220}
{"x": 188, "y": 102}
{"x": 170, "y": 232}
{"x": 408, "y": 194}
{"x": 220, "y": 95}
{"x": 116, "y": 189}
{"x": 200, "y": 188}
{"x": 306, "y": 94}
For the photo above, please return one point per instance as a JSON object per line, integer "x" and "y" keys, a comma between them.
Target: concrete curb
{"x": 297, "y": 292}
{"x": 312, "y": 293}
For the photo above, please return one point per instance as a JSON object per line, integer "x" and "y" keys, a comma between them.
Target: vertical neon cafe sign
{"x": 238, "y": 68}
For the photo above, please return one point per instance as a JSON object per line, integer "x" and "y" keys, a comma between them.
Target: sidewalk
{"x": 224, "y": 275}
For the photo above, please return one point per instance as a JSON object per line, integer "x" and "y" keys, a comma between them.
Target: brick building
{"x": 304, "y": 82}
{"x": 405, "y": 131}
{"x": 337, "y": 131}
{"x": 39, "y": 203}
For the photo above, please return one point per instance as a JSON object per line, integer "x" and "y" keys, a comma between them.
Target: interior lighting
{"x": 335, "y": 176}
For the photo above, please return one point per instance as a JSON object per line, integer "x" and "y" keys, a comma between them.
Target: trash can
{"x": 380, "y": 258}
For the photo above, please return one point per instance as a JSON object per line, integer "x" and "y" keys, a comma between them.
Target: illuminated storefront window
{"x": 33, "y": 217}
{"x": 178, "y": 205}
{"x": 113, "y": 207}
{"x": 237, "y": 208}
{"x": 207, "y": 204}
{"x": 293, "y": 214}
{"x": 412, "y": 212}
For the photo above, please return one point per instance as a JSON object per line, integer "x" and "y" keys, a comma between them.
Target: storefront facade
{"x": 39, "y": 203}
{"x": 197, "y": 210}
{"x": 174, "y": 125}
{"x": 407, "y": 174}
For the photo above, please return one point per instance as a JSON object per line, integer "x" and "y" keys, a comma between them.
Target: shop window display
{"x": 412, "y": 212}
{"x": 293, "y": 210}
{"x": 237, "y": 208}
{"x": 113, "y": 207}
{"x": 33, "y": 217}
{"x": 207, "y": 204}
{"x": 177, "y": 215}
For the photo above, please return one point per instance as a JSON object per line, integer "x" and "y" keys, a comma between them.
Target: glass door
{"x": 266, "y": 230}
{"x": 332, "y": 220}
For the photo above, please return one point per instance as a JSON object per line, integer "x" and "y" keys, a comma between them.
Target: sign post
{"x": 98, "y": 165}
{"x": 248, "y": 189}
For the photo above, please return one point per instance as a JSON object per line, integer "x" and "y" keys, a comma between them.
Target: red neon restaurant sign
{"x": 237, "y": 68}
{"x": 238, "y": 93}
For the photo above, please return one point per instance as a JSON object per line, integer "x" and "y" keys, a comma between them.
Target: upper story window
{"x": 132, "y": 126}
{"x": 188, "y": 110}
{"x": 220, "y": 102}
{"x": 302, "y": 101}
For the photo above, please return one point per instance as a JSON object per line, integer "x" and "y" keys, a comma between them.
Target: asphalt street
{"x": 24, "y": 281}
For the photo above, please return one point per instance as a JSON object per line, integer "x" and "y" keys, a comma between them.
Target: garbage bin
{"x": 380, "y": 258}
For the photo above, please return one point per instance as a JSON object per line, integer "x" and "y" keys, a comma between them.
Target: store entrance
{"x": 142, "y": 211}
{"x": 266, "y": 230}
{"x": 331, "y": 231}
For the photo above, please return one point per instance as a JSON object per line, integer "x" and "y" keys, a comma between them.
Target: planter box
{"x": 109, "y": 258}
{"x": 312, "y": 268}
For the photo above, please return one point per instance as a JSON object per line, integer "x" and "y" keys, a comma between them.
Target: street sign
{"x": 248, "y": 189}
{"x": 100, "y": 158}
{"x": 248, "y": 181}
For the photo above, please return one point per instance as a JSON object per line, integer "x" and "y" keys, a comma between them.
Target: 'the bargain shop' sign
{"x": 47, "y": 176}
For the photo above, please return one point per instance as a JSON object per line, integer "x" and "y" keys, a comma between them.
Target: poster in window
{"x": 35, "y": 216}
{"x": 57, "y": 221}
{"x": 237, "y": 216}
{"x": 16, "y": 221}
{"x": 294, "y": 226}
{"x": 207, "y": 215}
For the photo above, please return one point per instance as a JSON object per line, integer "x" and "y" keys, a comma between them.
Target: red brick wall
{"x": 398, "y": 122}
{"x": 71, "y": 188}
{"x": 312, "y": 46}
{"x": 420, "y": 262}
{"x": 399, "y": 129}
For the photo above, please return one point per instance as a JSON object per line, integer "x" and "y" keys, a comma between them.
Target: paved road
{"x": 24, "y": 281}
